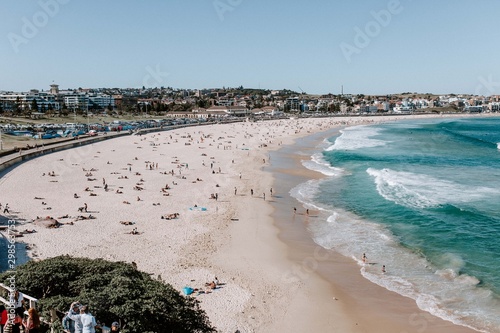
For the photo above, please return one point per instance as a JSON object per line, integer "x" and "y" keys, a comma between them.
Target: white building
{"x": 76, "y": 100}
{"x": 44, "y": 101}
{"x": 101, "y": 101}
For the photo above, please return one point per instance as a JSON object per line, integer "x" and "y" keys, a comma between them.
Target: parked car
{"x": 78, "y": 132}
{"x": 51, "y": 135}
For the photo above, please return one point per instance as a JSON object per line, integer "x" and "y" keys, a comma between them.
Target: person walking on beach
{"x": 6, "y": 209}
{"x": 85, "y": 207}
{"x": 295, "y": 210}
{"x": 235, "y": 190}
{"x": 364, "y": 258}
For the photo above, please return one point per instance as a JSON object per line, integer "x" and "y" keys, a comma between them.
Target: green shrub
{"x": 114, "y": 291}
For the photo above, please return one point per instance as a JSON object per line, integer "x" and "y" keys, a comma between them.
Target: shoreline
{"x": 237, "y": 238}
{"x": 372, "y": 307}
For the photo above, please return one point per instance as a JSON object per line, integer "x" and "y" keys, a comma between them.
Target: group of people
{"x": 12, "y": 322}
{"x": 79, "y": 320}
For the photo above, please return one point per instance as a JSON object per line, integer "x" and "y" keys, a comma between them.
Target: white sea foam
{"x": 357, "y": 137}
{"x": 423, "y": 191}
{"x": 318, "y": 164}
{"x": 498, "y": 145}
{"x": 305, "y": 192}
{"x": 443, "y": 292}
{"x": 439, "y": 287}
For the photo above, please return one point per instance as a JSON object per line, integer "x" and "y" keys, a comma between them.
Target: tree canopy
{"x": 114, "y": 291}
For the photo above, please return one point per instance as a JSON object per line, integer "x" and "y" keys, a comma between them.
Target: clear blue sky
{"x": 423, "y": 46}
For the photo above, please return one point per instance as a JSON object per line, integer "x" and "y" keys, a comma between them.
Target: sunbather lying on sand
{"x": 83, "y": 217}
{"x": 170, "y": 216}
{"x": 127, "y": 222}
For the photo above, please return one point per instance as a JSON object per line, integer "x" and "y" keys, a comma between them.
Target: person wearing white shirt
{"x": 88, "y": 321}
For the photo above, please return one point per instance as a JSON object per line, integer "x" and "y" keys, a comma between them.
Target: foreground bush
{"x": 115, "y": 291}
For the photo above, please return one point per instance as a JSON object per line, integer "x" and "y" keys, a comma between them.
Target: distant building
{"x": 101, "y": 101}
{"x": 368, "y": 109}
{"x": 76, "y": 100}
{"x": 292, "y": 104}
{"x": 220, "y": 111}
{"x": 473, "y": 109}
{"x": 54, "y": 89}
{"x": 45, "y": 101}
{"x": 85, "y": 101}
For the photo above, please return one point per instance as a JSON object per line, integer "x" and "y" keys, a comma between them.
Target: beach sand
{"x": 239, "y": 238}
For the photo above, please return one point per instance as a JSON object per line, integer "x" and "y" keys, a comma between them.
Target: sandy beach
{"x": 196, "y": 203}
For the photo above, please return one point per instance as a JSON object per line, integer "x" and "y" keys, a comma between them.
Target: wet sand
{"x": 369, "y": 307}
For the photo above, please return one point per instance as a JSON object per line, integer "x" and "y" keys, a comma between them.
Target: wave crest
{"x": 423, "y": 191}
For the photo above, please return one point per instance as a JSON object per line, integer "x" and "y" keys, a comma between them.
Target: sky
{"x": 315, "y": 46}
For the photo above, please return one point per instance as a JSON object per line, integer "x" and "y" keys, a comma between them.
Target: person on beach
{"x": 32, "y": 323}
{"x": 75, "y": 315}
{"x": 6, "y": 209}
{"x": 85, "y": 207}
{"x": 13, "y": 325}
{"x": 68, "y": 323}
{"x": 115, "y": 327}
{"x": 88, "y": 321}
{"x": 383, "y": 268}
{"x": 4, "y": 317}
{"x": 295, "y": 210}
{"x": 364, "y": 258}
{"x": 17, "y": 299}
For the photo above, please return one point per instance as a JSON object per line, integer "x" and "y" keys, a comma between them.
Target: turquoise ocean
{"x": 421, "y": 197}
